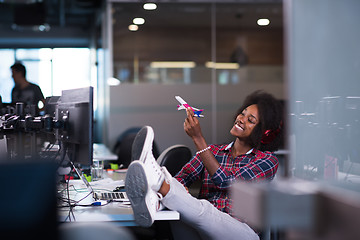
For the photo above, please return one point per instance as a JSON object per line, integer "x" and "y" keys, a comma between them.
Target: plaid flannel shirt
{"x": 253, "y": 166}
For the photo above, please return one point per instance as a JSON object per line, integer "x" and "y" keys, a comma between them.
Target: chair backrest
{"x": 123, "y": 146}
{"x": 174, "y": 158}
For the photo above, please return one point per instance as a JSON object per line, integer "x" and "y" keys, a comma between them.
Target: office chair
{"x": 174, "y": 158}
{"x": 123, "y": 147}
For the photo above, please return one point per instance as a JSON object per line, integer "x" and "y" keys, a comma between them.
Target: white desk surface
{"x": 102, "y": 153}
{"x": 116, "y": 212}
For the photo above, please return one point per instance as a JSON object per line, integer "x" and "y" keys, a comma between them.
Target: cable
{"x": 63, "y": 153}
{"x": 71, "y": 208}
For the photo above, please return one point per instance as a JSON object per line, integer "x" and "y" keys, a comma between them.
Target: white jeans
{"x": 204, "y": 217}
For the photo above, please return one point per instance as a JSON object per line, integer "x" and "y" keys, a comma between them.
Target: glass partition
{"x": 212, "y": 53}
{"x": 324, "y": 91}
{"x": 180, "y": 43}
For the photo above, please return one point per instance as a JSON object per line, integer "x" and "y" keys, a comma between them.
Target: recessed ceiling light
{"x": 263, "y": 22}
{"x": 138, "y": 21}
{"x": 133, "y": 27}
{"x": 149, "y": 6}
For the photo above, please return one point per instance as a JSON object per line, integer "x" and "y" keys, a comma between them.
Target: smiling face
{"x": 245, "y": 122}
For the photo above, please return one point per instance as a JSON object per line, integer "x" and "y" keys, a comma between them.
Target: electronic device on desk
{"x": 75, "y": 110}
{"x": 51, "y": 105}
{"x": 113, "y": 196}
{"x": 68, "y": 124}
{"x": 117, "y": 195}
{"x": 24, "y": 132}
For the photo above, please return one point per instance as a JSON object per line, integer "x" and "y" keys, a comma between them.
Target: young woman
{"x": 257, "y": 131}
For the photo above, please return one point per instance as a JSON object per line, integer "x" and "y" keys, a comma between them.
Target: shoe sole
{"x": 136, "y": 190}
{"x": 142, "y": 142}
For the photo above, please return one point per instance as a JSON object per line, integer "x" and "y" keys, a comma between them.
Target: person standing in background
{"x": 24, "y": 91}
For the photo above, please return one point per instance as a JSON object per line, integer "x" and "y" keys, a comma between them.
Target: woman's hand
{"x": 193, "y": 129}
{"x": 192, "y": 126}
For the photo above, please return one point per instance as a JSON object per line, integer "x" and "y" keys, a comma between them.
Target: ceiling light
{"x": 222, "y": 65}
{"x": 138, "y": 21}
{"x": 263, "y": 22}
{"x": 172, "y": 64}
{"x": 331, "y": 97}
{"x": 149, "y": 6}
{"x": 133, "y": 27}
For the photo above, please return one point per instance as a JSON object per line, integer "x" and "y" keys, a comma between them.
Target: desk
{"x": 115, "y": 212}
{"x": 102, "y": 153}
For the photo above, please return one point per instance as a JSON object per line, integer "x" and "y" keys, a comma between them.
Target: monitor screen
{"x": 75, "y": 109}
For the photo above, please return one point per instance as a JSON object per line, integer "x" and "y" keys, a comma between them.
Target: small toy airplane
{"x": 184, "y": 105}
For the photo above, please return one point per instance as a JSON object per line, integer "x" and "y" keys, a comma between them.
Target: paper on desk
{"x": 107, "y": 184}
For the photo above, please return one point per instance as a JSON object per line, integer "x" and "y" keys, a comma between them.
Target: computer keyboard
{"x": 116, "y": 196}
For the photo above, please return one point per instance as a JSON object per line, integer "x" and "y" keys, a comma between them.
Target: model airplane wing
{"x": 183, "y": 105}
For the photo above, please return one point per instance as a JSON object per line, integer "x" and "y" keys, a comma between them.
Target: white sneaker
{"x": 144, "y": 201}
{"x": 142, "y": 151}
{"x": 167, "y": 175}
{"x": 142, "y": 144}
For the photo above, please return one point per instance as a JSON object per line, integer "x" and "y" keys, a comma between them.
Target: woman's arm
{"x": 193, "y": 129}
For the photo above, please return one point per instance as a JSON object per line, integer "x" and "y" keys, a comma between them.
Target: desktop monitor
{"x": 75, "y": 110}
{"x": 51, "y": 104}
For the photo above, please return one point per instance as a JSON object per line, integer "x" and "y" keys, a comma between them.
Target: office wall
{"x": 169, "y": 44}
{"x": 155, "y": 105}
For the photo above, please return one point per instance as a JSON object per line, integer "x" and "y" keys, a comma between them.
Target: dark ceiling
{"x": 71, "y": 22}
{"x": 198, "y": 14}
{"x": 59, "y": 13}
{"x": 48, "y": 23}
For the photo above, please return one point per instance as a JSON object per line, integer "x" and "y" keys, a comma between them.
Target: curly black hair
{"x": 268, "y": 135}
